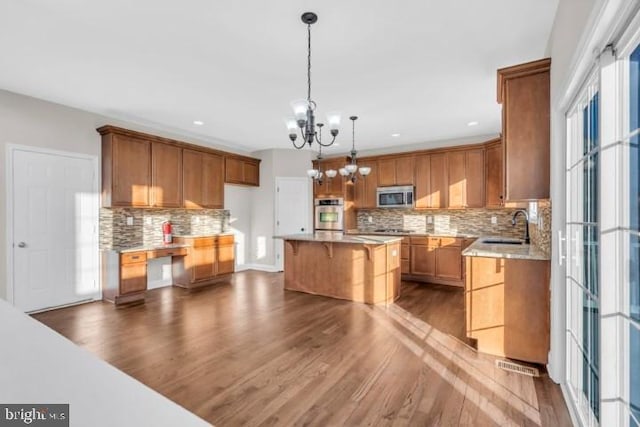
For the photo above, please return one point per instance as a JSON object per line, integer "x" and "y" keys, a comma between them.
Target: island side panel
{"x": 354, "y": 272}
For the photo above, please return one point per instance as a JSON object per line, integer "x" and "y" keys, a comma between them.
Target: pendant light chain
{"x": 309, "y": 64}
{"x": 353, "y": 136}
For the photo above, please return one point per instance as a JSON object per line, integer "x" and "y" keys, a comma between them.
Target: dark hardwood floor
{"x": 248, "y": 352}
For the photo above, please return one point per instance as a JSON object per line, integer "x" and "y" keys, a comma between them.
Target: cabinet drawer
{"x": 202, "y": 242}
{"x": 159, "y": 253}
{"x": 450, "y": 241}
{"x": 133, "y": 257}
{"x": 225, "y": 240}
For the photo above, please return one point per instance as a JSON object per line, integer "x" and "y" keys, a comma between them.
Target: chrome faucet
{"x": 527, "y": 240}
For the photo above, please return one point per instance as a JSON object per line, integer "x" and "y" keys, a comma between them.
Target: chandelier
{"x": 350, "y": 170}
{"x": 304, "y": 118}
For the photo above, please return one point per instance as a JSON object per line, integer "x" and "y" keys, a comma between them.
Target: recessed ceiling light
{"x": 472, "y": 123}
{"x": 395, "y": 135}
{"x": 198, "y": 122}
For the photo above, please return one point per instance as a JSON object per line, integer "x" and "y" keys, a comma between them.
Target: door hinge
{"x": 277, "y": 222}
{"x": 278, "y": 189}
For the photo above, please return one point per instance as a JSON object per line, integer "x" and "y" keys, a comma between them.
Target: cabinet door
{"x": 212, "y": 181}
{"x": 133, "y": 277}
{"x": 456, "y": 178}
{"x": 386, "y": 172}
{"x": 493, "y": 176}
{"x": 423, "y": 179}
{"x": 474, "y": 178}
{"x": 252, "y": 173}
{"x": 438, "y": 181}
{"x": 131, "y": 171}
{"x": 370, "y": 186}
{"x": 526, "y": 137}
{"x": 226, "y": 259}
{"x": 335, "y": 186}
{"x": 233, "y": 170}
{"x": 192, "y": 179}
{"x": 202, "y": 262}
{"x": 166, "y": 175}
{"x": 404, "y": 170}
{"x": 449, "y": 263}
{"x": 423, "y": 260}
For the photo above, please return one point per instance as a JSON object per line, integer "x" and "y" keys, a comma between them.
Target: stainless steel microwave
{"x": 395, "y": 197}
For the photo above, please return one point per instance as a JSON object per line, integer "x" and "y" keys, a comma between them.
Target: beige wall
{"x": 37, "y": 123}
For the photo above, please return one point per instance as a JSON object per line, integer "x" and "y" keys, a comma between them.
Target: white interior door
{"x": 293, "y": 211}
{"x": 55, "y": 223}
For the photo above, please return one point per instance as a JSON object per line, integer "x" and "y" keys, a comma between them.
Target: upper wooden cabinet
{"x": 365, "y": 188}
{"x": 523, "y": 91}
{"x": 203, "y": 180}
{"x": 466, "y": 178}
{"x": 395, "y": 171}
{"x": 142, "y": 170}
{"x": 494, "y": 191}
{"x": 242, "y": 171}
{"x": 166, "y": 175}
{"x": 126, "y": 170}
{"x": 431, "y": 180}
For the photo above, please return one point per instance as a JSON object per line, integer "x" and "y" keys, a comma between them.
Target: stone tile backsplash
{"x": 147, "y": 225}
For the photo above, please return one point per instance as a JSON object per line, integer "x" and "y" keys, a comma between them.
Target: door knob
{"x": 22, "y": 245}
{"x": 302, "y": 229}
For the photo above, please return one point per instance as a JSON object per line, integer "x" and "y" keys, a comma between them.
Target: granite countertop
{"x": 417, "y": 234}
{"x": 341, "y": 238}
{"x": 497, "y": 250}
{"x": 148, "y": 247}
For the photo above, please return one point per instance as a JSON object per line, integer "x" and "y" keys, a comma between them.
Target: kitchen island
{"x": 355, "y": 268}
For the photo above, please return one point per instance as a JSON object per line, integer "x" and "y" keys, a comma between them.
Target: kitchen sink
{"x": 501, "y": 241}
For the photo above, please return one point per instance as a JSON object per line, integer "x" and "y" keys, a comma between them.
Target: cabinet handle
{"x": 169, "y": 253}
{"x": 135, "y": 257}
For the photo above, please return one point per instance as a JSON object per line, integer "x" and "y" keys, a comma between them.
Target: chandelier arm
{"x": 302, "y": 140}
{"x": 326, "y": 145}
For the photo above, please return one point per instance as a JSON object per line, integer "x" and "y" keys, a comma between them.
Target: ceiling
{"x": 421, "y": 68}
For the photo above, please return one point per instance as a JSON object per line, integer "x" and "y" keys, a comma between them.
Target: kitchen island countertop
{"x": 341, "y": 238}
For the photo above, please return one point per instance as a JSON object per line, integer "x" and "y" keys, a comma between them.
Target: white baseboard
{"x": 260, "y": 267}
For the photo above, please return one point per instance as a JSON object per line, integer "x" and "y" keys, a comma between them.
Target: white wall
{"x": 275, "y": 163}
{"x": 33, "y": 122}
{"x": 571, "y": 20}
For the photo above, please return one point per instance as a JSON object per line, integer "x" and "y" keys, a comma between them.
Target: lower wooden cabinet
{"x": 507, "y": 307}
{"x": 209, "y": 259}
{"x": 436, "y": 260}
{"x": 124, "y": 276}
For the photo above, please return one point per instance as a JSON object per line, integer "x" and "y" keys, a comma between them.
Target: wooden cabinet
{"x": 405, "y": 256}
{"x": 423, "y": 257}
{"x": 507, "y": 307}
{"x": 494, "y": 194}
{"x": 465, "y": 178}
{"x": 209, "y": 260}
{"x": 126, "y": 170}
{"x": 365, "y": 188}
{"x": 166, "y": 175}
{"x": 436, "y": 260}
{"x": 431, "y": 181}
{"x": 142, "y": 170}
{"x": 395, "y": 171}
{"x": 242, "y": 171}
{"x": 523, "y": 91}
{"x": 124, "y": 276}
{"x": 203, "y": 180}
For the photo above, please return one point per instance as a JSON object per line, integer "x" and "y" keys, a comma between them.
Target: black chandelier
{"x": 303, "y": 109}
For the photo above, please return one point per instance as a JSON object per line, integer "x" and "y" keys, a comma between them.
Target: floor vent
{"x": 517, "y": 368}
